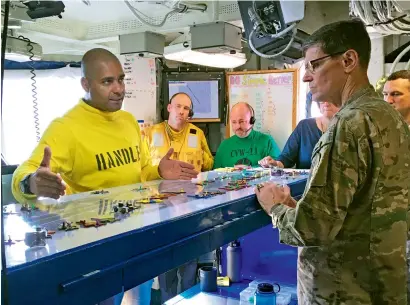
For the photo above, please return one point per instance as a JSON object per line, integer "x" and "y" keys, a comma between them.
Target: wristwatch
{"x": 25, "y": 185}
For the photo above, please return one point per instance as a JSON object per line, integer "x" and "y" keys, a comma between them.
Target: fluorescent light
{"x": 183, "y": 53}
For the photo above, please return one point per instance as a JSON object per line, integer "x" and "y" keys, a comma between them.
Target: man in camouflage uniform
{"x": 396, "y": 92}
{"x": 351, "y": 222}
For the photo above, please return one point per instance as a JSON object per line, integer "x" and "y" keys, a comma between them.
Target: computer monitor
{"x": 207, "y": 95}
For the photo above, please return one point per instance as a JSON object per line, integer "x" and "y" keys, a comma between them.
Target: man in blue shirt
{"x": 299, "y": 147}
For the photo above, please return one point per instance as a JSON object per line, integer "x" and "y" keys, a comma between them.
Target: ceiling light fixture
{"x": 182, "y": 52}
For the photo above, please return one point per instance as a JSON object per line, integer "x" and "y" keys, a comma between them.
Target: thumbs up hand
{"x": 175, "y": 170}
{"x": 44, "y": 182}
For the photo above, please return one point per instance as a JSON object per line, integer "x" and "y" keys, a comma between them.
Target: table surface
{"x": 82, "y": 206}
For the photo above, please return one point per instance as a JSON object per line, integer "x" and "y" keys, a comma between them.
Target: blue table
{"x": 86, "y": 266}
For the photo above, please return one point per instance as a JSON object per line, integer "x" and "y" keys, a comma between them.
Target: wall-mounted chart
{"x": 272, "y": 94}
{"x": 140, "y": 87}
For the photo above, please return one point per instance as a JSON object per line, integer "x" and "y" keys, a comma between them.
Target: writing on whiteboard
{"x": 235, "y": 80}
{"x": 140, "y": 86}
{"x": 250, "y": 80}
{"x": 253, "y": 81}
{"x": 280, "y": 80}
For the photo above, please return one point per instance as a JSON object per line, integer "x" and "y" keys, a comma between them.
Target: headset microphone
{"x": 246, "y": 131}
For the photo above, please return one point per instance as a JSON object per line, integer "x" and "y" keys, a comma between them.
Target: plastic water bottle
{"x": 265, "y": 294}
{"x": 234, "y": 261}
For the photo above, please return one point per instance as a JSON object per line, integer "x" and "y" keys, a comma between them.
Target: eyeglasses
{"x": 312, "y": 65}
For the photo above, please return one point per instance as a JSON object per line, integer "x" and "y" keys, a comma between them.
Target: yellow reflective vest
{"x": 189, "y": 145}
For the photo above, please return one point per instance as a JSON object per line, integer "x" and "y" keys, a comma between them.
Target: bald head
{"x": 241, "y": 107}
{"x": 94, "y": 58}
{"x": 103, "y": 80}
{"x": 240, "y": 118}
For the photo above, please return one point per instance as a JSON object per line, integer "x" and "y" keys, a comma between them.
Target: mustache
{"x": 117, "y": 97}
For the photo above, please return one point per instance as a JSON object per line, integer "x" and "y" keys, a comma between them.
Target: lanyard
{"x": 168, "y": 133}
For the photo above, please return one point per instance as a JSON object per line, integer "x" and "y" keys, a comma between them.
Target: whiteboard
{"x": 140, "y": 87}
{"x": 273, "y": 96}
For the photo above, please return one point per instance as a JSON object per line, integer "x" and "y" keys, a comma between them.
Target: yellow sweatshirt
{"x": 91, "y": 150}
{"x": 189, "y": 145}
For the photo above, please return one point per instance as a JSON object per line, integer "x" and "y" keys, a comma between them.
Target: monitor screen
{"x": 204, "y": 95}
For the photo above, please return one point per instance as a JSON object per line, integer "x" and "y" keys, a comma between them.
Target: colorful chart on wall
{"x": 273, "y": 96}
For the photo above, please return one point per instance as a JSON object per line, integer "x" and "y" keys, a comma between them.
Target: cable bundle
{"x": 176, "y": 6}
{"x": 386, "y": 17}
{"x": 272, "y": 30}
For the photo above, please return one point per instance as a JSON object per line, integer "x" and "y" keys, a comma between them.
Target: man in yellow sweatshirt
{"x": 187, "y": 140}
{"x": 189, "y": 144}
{"x": 95, "y": 145}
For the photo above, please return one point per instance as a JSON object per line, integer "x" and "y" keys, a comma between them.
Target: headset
{"x": 252, "y": 119}
{"x": 191, "y": 110}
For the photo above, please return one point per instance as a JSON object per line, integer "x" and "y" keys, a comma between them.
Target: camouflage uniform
{"x": 351, "y": 223}
{"x": 408, "y": 260}
{"x": 408, "y": 268}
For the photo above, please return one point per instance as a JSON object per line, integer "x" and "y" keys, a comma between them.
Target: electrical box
{"x": 146, "y": 44}
{"x": 216, "y": 37}
{"x": 292, "y": 11}
{"x": 274, "y": 16}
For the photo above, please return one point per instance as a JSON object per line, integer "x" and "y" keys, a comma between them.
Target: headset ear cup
{"x": 252, "y": 119}
{"x": 191, "y": 110}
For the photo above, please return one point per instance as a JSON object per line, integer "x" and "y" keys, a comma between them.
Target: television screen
{"x": 204, "y": 95}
